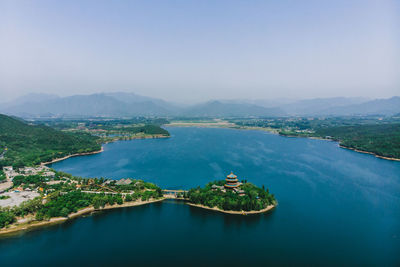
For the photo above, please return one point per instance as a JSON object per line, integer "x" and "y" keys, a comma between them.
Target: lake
{"x": 336, "y": 206}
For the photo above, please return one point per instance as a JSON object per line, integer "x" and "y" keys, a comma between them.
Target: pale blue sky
{"x": 198, "y": 50}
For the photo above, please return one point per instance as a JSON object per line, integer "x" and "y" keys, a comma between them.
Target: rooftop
{"x": 231, "y": 175}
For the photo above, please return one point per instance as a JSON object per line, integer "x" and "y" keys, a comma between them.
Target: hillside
{"x": 29, "y": 144}
{"x": 85, "y": 105}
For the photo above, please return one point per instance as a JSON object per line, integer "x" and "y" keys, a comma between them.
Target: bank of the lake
{"x": 367, "y": 152}
{"x": 32, "y": 223}
{"x": 73, "y": 155}
{"x": 250, "y": 212}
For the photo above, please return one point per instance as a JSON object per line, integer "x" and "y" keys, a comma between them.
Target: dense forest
{"x": 255, "y": 198}
{"x": 32, "y": 144}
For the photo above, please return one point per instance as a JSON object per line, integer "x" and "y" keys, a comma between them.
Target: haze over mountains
{"x": 130, "y": 104}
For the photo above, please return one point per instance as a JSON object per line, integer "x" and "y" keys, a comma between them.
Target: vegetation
{"x": 60, "y": 205}
{"x": 2, "y": 175}
{"x": 382, "y": 140}
{"x": 35, "y": 180}
{"x": 29, "y": 145}
{"x": 110, "y": 134}
{"x": 311, "y": 123}
{"x": 254, "y": 198}
{"x": 6, "y": 217}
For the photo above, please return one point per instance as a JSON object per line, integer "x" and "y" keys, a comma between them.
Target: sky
{"x": 191, "y": 51}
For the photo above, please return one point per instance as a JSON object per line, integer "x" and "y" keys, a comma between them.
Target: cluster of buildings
{"x": 232, "y": 183}
{"x": 40, "y": 170}
{"x": 21, "y": 193}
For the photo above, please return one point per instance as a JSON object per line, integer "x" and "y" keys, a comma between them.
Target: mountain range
{"x": 129, "y": 104}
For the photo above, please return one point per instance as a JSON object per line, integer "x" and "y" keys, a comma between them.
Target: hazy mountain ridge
{"x": 318, "y": 106}
{"x": 390, "y": 106}
{"x": 130, "y": 104}
{"x": 216, "y": 108}
{"x": 86, "y": 105}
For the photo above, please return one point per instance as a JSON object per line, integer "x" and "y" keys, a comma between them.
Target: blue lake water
{"x": 336, "y": 206}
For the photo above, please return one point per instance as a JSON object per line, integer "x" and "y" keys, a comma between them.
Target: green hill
{"x": 22, "y": 144}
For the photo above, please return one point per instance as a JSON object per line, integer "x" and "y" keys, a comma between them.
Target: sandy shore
{"x": 34, "y": 224}
{"x": 73, "y": 155}
{"x": 270, "y": 207}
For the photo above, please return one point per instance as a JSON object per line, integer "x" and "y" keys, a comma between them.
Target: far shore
{"x": 13, "y": 229}
{"x": 154, "y": 136}
{"x": 274, "y": 131}
{"x": 268, "y": 208}
{"x": 228, "y": 125}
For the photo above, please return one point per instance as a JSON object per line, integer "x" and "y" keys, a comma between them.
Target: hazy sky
{"x": 198, "y": 50}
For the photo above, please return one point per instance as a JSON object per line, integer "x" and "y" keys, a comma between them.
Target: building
{"x": 239, "y": 191}
{"x": 48, "y": 174}
{"x": 8, "y": 169}
{"x": 124, "y": 182}
{"x": 215, "y": 187}
{"x": 231, "y": 181}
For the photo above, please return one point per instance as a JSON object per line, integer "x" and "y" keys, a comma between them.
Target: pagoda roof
{"x": 231, "y": 175}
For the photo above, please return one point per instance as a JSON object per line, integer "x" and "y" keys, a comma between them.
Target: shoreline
{"x": 268, "y": 208}
{"x": 367, "y": 152}
{"x": 73, "y": 155}
{"x": 101, "y": 150}
{"x": 17, "y": 228}
{"x": 14, "y": 229}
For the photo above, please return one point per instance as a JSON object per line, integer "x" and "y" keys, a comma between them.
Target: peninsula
{"x": 41, "y": 196}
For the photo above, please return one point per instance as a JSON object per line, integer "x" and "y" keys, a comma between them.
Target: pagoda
{"x": 231, "y": 181}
